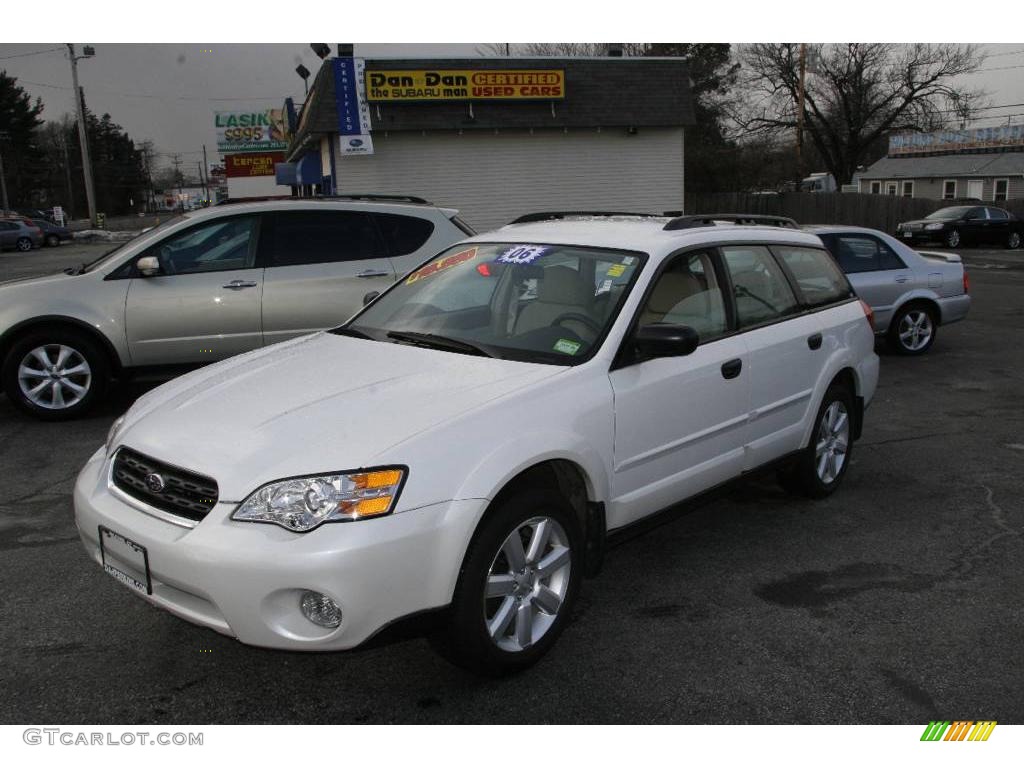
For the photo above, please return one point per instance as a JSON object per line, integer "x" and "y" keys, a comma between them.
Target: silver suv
{"x": 205, "y": 286}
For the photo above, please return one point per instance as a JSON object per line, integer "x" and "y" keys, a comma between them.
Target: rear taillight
{"x": 967, "y": 282}
{"x": 868, "y": 314}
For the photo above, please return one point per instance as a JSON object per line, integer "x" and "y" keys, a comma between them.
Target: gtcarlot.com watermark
{"x": 69, "y": 737}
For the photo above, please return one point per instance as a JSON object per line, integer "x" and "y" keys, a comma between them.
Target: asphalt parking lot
{"x": 898, "y": 600}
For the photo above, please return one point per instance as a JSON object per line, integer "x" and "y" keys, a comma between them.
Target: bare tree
{"x": 560, "y": 49}
{"x": 855, "y": 93}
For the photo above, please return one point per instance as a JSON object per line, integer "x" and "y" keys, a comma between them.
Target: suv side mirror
{"x": 665, "y": 340}
{"x": 148, "y": 266}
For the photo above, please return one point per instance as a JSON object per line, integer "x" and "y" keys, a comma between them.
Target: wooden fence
{"x": 882, "y": 212}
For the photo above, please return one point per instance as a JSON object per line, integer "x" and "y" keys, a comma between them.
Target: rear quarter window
{"x": 816, "y": 273}
{"x": 404, "y": 234}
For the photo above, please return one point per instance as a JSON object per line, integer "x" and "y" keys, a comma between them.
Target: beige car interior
{"x": 688, "y": 294}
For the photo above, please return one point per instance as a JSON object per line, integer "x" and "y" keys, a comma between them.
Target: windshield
{"x": 532, "y": 302}
{"x": 97, "y": 262}
{"x": 956, "y": 212}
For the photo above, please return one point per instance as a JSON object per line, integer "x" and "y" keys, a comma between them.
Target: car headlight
{"x": 112, "y": 435}
{"x": 936, "y": 225}
{"x": 302, "y": 503}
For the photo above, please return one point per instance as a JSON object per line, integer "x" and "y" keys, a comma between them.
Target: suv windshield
{"x": 532, "y": 302}
{"x": 956, "y": 212}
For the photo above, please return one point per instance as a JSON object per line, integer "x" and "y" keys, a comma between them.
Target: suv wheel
{"x": 24, "y": 244}
{"x": 517, "y": 587}
{"x": 1013, "y": 241}
{"x": 912, "y": 330}
{"x": 952, "y": 238}
{"x": 821, "y": 466}
{"x": 54, "y": 375}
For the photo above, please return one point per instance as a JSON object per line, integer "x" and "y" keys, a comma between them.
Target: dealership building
{"x": 497, "y": 137}
{"x": 970, "y": 163}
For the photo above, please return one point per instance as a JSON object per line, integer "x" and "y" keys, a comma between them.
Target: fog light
{"x": 320, "y": 609}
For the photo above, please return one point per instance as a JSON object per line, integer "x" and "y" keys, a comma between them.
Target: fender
{"x": 511, "y": 457}
{"x": 116, "y": 348}
{"x": 911, "y": 295}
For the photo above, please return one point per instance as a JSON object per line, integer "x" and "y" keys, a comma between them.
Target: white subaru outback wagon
{"x": 468, "y": 440}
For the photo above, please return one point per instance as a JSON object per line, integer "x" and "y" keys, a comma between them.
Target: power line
{"x": 33, "y": 53}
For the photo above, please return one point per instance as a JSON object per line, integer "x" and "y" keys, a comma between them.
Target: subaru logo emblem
{"x": 355, "y": 142}
{"x": 154, "y": 482}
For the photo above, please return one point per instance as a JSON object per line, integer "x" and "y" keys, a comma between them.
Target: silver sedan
{"x": 910, "y": 292}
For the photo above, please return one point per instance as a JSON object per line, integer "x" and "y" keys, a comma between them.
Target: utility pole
{"x": 177, "y": 179}
{"x": 800, "y": 117}
{"x": 83, "y": 135}
{"x": 206, "y": 173}
{"x": 3, "y": 178}
{"x": 67, "y": 173}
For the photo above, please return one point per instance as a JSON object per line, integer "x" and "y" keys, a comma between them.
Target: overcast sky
{"x": 168, "y": 93}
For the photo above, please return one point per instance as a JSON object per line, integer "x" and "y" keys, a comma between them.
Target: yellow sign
{"x": 463, "y": 84}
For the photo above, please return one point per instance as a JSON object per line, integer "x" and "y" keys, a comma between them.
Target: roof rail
{"x": 381, "y": 198}
{"x": 710, "y": 219}
{"x": 554, "y": 215}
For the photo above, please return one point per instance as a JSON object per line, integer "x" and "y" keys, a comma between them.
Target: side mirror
{"x": 148, "y": 266}
{"x": 370, "y": 297}
{"x": 666, "y": 340}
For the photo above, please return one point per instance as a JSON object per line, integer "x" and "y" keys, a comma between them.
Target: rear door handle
{"x": 237, "y": 285}
{"x": 731, "y": 369}
{"x": 814, "y": 342}
{"x": 374, "y": 273}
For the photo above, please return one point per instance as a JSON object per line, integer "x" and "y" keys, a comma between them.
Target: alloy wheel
{"x": 833, "y": 442}
{"x": 54, "y": 376}
{"x": 527, "y": 584}
{"x": 24, "y": 244}
{"x": 915, "y": 330}
{"x": 1014, "y": 240}
{"x": 953, "y": 239}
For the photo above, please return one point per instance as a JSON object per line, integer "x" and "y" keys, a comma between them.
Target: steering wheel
{"x": 579, "y": 317}
{"x": 166, "y": 262}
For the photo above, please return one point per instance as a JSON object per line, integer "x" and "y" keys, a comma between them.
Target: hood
{"x": 25, "y": 282}
{"x": 919, "y": 223}
{"x": 320, "y": 403}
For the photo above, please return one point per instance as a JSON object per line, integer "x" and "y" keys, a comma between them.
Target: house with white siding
{"x": 973, "y": 163}
{"x": 500, "y": 137}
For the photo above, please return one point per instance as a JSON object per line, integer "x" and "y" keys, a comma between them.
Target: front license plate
{"x": 908, "y": 234}
{"x": 125, "y": 560}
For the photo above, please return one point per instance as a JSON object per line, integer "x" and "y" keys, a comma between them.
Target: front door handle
{"x": 901, "y": 278}
{"x": 731, "y": 369}
{"x": 237, "y": 285}
{"x": 814, "y": 342}
{"x": 374, "y": 273}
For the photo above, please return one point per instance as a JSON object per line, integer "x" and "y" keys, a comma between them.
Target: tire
{"x": 952, "y": 239}
{"x": 913, "y": 330}
{"x": 821, "y": 466}
{"x": 1013, "y": 241}
{"x": 544, "y": 602}
{"x": 52, "y": 241}
{"x": 23, "y": 244}
{"x": 50, "y": 396}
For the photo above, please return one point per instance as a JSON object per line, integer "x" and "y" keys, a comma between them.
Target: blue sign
{"x": 347, "y": 97}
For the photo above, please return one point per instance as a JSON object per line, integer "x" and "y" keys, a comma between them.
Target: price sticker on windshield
{"x": 440, "y": 265}
{"x": 522, "y": 254}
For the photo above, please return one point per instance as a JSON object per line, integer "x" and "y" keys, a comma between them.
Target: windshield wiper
{"x": 440, "y": 342}
{"x": 355, "y": 334}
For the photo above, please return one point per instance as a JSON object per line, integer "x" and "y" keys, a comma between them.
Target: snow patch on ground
{"x": 103, "y": 235}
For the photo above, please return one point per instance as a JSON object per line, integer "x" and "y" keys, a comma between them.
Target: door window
{"x": 759, "y": 285}
{"x": 1001, "y": 191}
{"x": 688, "y": 293}
{"x": 997, "y": 214}
{"x": 817, "y": 276}
{"x": 215, "y": 246}
{"x": 316, "y": 237}
{"x": 949, "y": 190}
{"x": 861, "y": 253}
